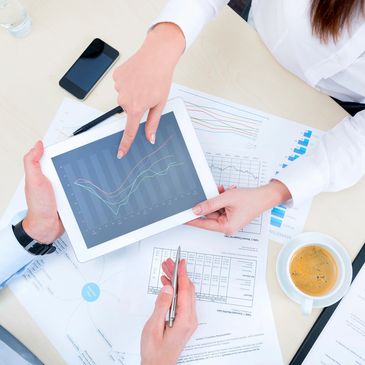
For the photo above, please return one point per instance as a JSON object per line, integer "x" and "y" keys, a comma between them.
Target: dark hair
{"x": 330, "y": 17}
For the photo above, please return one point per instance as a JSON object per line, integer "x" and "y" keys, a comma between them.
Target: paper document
{"x": 224, "y": 124}
{"x": 100, "y": 311}
{"x": 342, "y": 341}
{"x": 234, "y": 314}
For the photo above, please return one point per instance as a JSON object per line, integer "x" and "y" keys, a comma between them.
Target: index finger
{"x": 185, "y": 291}
{"x": 130, "y": 131}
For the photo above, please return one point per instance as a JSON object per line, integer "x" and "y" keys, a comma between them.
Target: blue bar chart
{"x": 299, "y": 149}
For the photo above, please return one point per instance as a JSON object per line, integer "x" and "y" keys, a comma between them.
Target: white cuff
{"x": 189, "y": 15}
{"x": 13, "y": 256}
{"x": 304, "y": 180}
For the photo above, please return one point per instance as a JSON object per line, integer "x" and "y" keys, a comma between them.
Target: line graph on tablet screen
{"x": 120, "y": 197}
{"x": 240, "y": 171}
{"x": 111, "y": 197}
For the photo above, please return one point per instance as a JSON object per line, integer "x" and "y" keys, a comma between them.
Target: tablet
{"x": 106, "y": 203}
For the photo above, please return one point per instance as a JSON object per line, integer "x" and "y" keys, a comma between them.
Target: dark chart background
{"x": 111, "y": 197}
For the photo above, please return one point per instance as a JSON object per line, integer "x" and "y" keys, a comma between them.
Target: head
{"x": 330, "y": 17}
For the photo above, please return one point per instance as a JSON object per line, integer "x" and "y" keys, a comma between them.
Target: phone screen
{"x": 89, "y": 68}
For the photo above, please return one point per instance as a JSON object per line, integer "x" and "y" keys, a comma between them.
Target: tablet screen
{"x": 111, "y": 197}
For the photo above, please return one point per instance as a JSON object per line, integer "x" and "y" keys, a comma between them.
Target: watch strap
{"x": 29, "y": 244}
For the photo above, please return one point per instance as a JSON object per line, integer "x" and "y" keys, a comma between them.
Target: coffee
{"x": 313, "y": 270}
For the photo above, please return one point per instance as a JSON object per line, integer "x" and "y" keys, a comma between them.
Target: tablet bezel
{"x": 83, "y": 253}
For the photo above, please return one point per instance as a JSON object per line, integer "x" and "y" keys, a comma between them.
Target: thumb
{"x": 32, "y": 166}
{"x": 211, "y": 205}
{"x": 162, "y": 306}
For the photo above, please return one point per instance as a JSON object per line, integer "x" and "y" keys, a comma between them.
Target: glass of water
{"x": 15, "y": 18}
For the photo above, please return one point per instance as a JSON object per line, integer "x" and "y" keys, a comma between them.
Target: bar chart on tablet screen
{"x": 111, "y": 197}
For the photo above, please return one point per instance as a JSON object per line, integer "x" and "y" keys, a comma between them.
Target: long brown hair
{"x": 330, "y": 17}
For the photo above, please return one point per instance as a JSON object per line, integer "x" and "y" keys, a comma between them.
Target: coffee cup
{"x": 314, "y": 270}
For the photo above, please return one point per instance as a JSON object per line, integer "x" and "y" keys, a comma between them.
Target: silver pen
{"x": 174, "y": 287}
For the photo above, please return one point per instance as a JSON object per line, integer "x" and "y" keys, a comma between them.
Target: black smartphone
{"x": 85, "y": 73}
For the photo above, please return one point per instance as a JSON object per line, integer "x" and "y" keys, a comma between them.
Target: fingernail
{"x": 120, "y": 155}
{"x": 153, "y": 139}
{"x": 167, "y": 289}
{"x": 197, "y": 209}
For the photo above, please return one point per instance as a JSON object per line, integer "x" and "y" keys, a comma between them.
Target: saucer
{"x": 313, "y": 238}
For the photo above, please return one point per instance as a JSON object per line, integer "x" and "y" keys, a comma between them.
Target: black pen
{"x": 98, "y": 120}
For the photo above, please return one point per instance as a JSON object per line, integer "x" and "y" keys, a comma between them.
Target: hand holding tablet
{"x": 107, "y": 203}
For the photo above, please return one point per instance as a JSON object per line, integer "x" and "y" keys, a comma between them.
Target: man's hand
{"x": 42, "y": 222}
{"x": 235, "y": 208}
{"x": 143, "y": 82}
{"x": 161, "y": 345}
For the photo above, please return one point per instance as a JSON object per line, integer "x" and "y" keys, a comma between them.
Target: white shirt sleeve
{"x": 13, "y": 257}
{"x": 336, "y": 163}
{"x": 190, "y": 15}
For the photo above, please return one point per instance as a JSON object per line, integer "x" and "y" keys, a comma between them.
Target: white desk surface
{"x": 228, "y": 60}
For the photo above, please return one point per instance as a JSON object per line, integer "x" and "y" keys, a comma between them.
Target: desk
{"x": 228, "y": 60}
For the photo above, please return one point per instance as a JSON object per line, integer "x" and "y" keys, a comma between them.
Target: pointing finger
{"x": 129, "y": 134}
{"x": 153, "y": 119}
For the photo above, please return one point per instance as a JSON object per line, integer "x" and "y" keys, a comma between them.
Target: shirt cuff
{"x": 13, "y": 256}
{"x": 304, "y": 180}
{"x": 189, "y": 15}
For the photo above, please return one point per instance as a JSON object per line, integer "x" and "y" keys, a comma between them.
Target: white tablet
{"x": 106, "y": 203}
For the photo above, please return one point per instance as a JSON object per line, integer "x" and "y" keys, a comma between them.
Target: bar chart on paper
{"x": 222, "y": 126}
{"x": 287, "y": 222}
{"x": 217, "y": 278}
{"x": 240, "y": 171}
{"x": 300, "y": 149}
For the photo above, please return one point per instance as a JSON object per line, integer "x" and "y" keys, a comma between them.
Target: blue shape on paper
{"x": 300, "y": 150}
{"x": 303, "y": 142}
{"x": 276, "y": 222}
{"x": 277, "y": 212}
{"x": 90, "y": 292}
{"x": 308, "y": 134}
{"x": 293, "y": 157}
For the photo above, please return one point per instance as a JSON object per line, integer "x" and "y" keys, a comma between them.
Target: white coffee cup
{"x": 308, "y": 302}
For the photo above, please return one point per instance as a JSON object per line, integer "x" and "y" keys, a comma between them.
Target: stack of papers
{"x": 102, "y": 305}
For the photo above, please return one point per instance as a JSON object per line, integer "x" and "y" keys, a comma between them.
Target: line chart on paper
{"x": 111, "y": 197}
{"x": 213, "y": 120}
{"x": 241, "y": 172}
{"x": 214, "y": 116}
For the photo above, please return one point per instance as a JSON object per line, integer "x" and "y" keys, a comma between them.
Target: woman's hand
{"x": 143, "y": 82}
{"x": 235, "y": 208}
{"x": 160, "y": 344}
{"x": 42, "y": 222}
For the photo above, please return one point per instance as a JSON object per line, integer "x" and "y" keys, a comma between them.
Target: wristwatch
{"x": 29, "y": 244}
